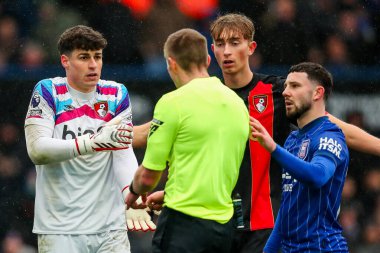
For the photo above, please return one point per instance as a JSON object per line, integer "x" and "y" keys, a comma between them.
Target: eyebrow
{"x": 291, "y": 82}
{"x": 228, "y": 39}
{"x": 87, "y": 54}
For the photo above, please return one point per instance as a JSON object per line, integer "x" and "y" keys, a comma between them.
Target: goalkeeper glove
{"x": 110, "y": 137}
{"x": 115, "y": 121}
{"x": 139, "y": 219}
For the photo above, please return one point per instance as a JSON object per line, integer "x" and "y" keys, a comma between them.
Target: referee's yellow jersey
{"x": 201, "y": 130}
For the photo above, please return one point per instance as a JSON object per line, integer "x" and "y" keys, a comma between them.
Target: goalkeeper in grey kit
{"x": 79, "y": 131}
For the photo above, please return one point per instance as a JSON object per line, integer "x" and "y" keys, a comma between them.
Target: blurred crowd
{"x": 331, "y": 32}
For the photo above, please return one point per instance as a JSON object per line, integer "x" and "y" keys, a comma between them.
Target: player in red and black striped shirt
{"x": 259, "y": 183}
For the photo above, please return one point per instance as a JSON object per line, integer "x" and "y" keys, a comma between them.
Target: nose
{"x": 227, "y": 49}
{"x": 92, "y": 63}
{"x": 285, "y": 93}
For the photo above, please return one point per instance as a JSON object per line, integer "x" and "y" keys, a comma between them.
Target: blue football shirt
{"x": 315, "y": 163}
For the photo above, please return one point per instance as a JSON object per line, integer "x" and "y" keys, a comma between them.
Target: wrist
{"x": 83, "y": 145}
{"x": 273, "y": 147}
{"x": 132, "y": 190}
{"x": 124, "y": 192}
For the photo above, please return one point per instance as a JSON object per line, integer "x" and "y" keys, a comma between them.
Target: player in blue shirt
{"x": 314, "y": 161}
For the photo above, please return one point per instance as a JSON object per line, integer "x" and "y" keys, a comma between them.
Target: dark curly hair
{"x": 80, "y": 37}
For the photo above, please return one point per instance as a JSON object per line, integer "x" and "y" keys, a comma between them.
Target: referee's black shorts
{"x": 178, "y": 232}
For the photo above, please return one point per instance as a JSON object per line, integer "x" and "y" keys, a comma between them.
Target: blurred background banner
{"x": 342, "y": 35}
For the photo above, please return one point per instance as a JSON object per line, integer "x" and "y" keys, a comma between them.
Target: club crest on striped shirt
{"x": 302, "y": 153}
{"x": 260, "y": 102}
{"x": 101, "y": 108}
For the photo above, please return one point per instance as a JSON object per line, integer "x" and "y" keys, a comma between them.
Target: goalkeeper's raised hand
{"x": 110, "y": 137}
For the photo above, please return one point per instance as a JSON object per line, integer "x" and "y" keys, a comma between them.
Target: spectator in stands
{"x": 9, "y": 39}
{"x": 32, "y": 55}
{"x": 14, "y": 243}
{"x": 53, "y": 19}
{"x": 351, "y": 212}
{"x": 371, "y": 241}
{"x": 336, "y": 51}
{"x": 286, "y": 42}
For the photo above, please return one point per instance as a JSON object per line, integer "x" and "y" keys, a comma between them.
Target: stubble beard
{"x": 298, "y": 111}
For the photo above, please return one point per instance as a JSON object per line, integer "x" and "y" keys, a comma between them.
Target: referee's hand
{"x": 155, "y": 200}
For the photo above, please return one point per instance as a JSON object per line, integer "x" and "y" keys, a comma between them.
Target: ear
{"x": 65, "y": 61}
{"x": 172, "y": 64}
{"x": 319, "y": 92}
{"x": 208, "y": 60}
{"x": 252, "y": 47}
{"x": 212, "y": 47}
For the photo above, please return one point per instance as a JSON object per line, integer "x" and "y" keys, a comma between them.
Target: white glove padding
{"x": 139, "y": 219}
{"x": 110, "y": 137}
{"x": 115, "y": 121}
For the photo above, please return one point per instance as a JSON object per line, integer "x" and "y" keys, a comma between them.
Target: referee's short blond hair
{"x": 188, "y": 48}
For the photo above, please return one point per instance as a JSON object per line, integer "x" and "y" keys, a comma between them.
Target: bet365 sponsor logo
{"x": 330, "y": 145}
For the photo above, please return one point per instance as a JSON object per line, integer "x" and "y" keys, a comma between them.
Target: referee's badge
{"x": 302, "y": 153}
{"x": 154, "y": 125}
{"x": 260, "y": 102}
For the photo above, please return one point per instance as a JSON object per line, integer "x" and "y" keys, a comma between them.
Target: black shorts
{"x": 178, "y": 232}
{"x": 250, "y": 241}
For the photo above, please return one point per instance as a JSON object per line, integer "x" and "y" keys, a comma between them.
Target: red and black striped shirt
{"x": 259, "y": 183}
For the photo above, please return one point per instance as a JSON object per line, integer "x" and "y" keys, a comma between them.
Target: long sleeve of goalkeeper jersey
{"x": 316, "y": 172}
{"x": 125, "y": 165}
{"x": 43, "y": 149}
{"x": 274, "y": 241}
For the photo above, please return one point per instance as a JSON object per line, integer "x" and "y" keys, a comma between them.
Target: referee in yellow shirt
{"x": 200, "y": 130}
